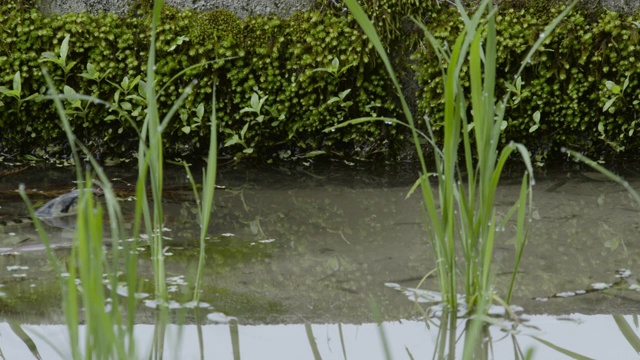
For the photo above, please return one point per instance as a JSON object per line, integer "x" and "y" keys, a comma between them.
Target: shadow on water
{"x": 297, "y": 246}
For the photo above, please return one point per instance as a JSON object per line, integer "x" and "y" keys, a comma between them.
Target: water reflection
{"x": 595, "y": 336}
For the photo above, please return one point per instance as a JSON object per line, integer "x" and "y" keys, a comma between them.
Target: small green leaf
{"x": 232, "y": 141}
{"x": 126, "y": 105}
{"x": 344, "y": 93}
{"x": 609, "y": 84}
{"x": 64, "y": 47}
{"x": 314, "y": 153}
{"x": 616, "y": 89}
{"x": 536, "y": 117}
{"x": 626, "y": 83}
{"x": 7, "y": 92}
{"x": 608, "y": 104}
{"x": 125, "y": 83}
{"x": 91, "y": 70}
{"x": 69, "y": 66}
{"x": 533, "y": 128}
{"x": 244, "y": 130}
{"x": 248, "y": 150}
{"x": 17, "y": 83}
{"x": 142, "y": 89}
{"x": 255, "y": 102}
{"x": 71, "y": 96}
{"x": 186, "y": 129}
{"x": 32, "y": 96}
{"x": 47, "y": 55}
{"x": 601, "y": 128}
{"x": 200, "y": 111}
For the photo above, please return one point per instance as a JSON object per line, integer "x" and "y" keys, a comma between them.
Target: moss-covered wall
{"x": 580, "y": 91}
{"x": 281, "y": 82}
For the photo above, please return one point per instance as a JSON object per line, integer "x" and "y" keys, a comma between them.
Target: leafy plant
{"x": 61, "y": 58}
{"x": 335, "y": 69}
{"x": 76, "y": 107}
{"x": 192, "y": 123}
{"x": 16, "y": 93}
{"x": 536, "y": 120}
{"x": 92, "y": 74}
{"x": 255, "y": 106}
{"x": 615, "y": 92}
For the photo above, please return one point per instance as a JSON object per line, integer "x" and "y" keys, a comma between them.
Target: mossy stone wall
{"x": 283, "y": 81}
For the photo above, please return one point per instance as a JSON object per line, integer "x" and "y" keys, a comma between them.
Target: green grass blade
{"x": 368, "y": 28}
{"x": 605, "y": 172}
{"x": 312, "y": 342}
{"x": 562, "y": 350}
{"x": 191, "y": 68}
{"x": 628, "y": 333}
{"x": 543, "y": 36}
{"x": 208, "y": 192}
{"x": 521, "y": 233}
{"x": 389, "y": 121}
{"x": 25, "y": 338}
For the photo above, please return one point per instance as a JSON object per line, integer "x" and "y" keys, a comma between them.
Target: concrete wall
{"x": 243, "y": 8}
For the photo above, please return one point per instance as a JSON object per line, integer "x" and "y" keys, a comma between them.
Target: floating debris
{"x": 625, "y": 282}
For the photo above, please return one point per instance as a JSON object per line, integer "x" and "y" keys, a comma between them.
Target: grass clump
{"x": 98, "y": 285}
{"x": 459, "y": 188}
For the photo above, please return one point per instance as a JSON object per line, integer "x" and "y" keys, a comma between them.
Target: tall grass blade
{"x": 342, "y": 344}
{"x": 312, "y": 342}
{"x": 26, "y": 339}
{"x": 235, "y": 339}
{"x": 628, "y": 333}
{"x": 562, "y": 350}
{"x": 634, "y": 194}
{"x": 209, "y": 180}
{"x": 384, "y": 339}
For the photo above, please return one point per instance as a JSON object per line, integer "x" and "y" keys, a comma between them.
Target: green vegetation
{"x": 101, "y": 287}
{"x": 103, "y": 56}
{"x": 309, "y": 72}
{"x": 460, "y": 207}
{"x": 571, "y": 93}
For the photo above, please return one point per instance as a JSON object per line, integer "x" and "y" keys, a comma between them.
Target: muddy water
{"x": 317, "y": 245}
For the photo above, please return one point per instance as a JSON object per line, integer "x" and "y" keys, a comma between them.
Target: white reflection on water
{"x": 595, "y": 336}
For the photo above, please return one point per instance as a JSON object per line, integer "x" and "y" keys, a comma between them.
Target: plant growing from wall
{"x": 16, "y": 93}
{"x": 61, "y": 58}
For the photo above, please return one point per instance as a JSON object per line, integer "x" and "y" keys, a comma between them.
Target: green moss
{"x": 565, "y": 81}
{"x": 289, "y": 64}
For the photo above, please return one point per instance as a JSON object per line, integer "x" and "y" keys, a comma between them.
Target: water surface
{"x": 317, "y": 244}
